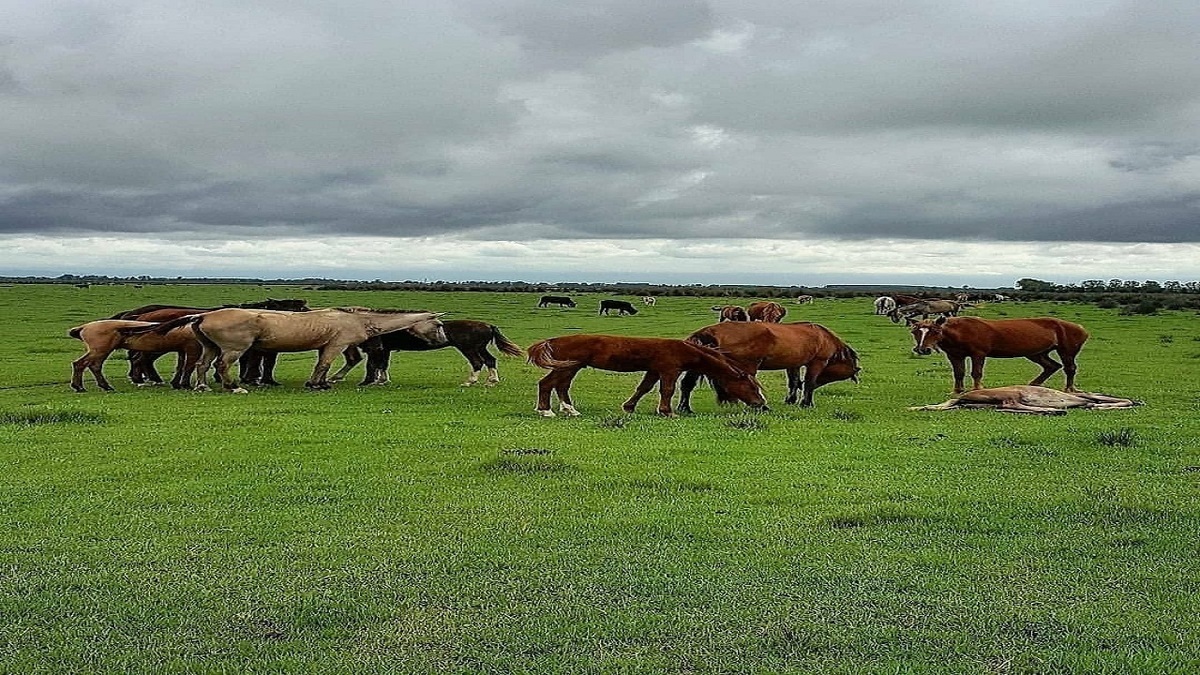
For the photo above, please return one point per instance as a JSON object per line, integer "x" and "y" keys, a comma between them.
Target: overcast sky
{"x": 719, "y": 141}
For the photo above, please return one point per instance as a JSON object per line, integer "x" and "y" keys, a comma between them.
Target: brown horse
{"x": 770, "y": 312}
{"x": 731, "y": 313}
{"x": 1031, "y": 400}
{"x": 105, "y": 336}
{"x": 470, "y": 338}
{"x": 228, "y": 333}
{"x": 1034, "y": 339}
{"x": 778, "y": 346}
{"x": 662, "y": 359}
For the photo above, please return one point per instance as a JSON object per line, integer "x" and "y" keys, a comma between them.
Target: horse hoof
{"x": 545, "y": 413}
{"x": 239, "y": 390}
{"x": 568, "y": 410}
{"x": 201, "y": 387}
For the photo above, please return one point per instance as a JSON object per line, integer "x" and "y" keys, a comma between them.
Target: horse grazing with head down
{"x": 966, "y": 337}
{"x": 771, "y": 312}
{"x": 470, "y": 338}
{"x": 105, "y": 336}
{"x": 759, "y": 346}
{"x": 662, "y": 359}
{"x": 228, "y": 333}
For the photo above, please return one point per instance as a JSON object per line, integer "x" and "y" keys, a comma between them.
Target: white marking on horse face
{"x": 921, "y": 339}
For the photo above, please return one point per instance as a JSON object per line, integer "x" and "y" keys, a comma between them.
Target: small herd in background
{"x": 729, "y": 353}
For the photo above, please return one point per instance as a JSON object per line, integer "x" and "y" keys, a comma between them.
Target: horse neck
{"x": 386, "y": 323}
{"x": 712, "y": 364}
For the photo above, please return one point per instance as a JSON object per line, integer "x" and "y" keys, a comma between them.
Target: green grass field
{"x": 423, "y": 526}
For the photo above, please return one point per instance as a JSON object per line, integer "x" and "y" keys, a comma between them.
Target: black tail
{"x": 505, "y": 345}
{"x": 161, "y": 328}
{"x": 76, "y": 332}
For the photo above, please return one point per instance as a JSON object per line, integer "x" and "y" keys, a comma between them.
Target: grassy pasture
{"x": 424, "y": 526}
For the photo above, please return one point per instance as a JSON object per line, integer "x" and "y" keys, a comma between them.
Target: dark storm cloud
{"x": 1063, "y": 120}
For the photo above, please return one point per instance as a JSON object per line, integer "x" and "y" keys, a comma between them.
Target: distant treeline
{"x": 1133, "y": 297}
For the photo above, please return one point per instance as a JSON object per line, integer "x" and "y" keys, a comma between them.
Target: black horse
{"x": 560, "y": 300}
{"x": 471, "y": 338}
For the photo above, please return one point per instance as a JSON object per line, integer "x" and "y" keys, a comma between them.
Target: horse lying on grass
{"x": 662, "y": 359}
{"x": 1032, "y": 400}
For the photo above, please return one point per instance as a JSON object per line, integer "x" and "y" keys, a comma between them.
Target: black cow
{"x": 621, "y": 306}
{"x": 560, "y": 300}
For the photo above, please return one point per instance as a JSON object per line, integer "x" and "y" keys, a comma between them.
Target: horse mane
{"x": 371, "y": 310}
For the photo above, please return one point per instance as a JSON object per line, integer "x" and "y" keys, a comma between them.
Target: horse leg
{"x": 77, "y": 367}
{"x": 136, "y": 374}
{"x": 811, "y": 373}
{"x": 325, "y": 357}
{"x": 666, "y": 389}
{"x": 1069, "y": 368}
{"x": 250, "y": 367}
{"x": 489, "y": 362}
{"x": 690, "y": 378}
{"x": 93, "y": 361}
{"x": 211, "y": 352}
{"x": 476, "y": 367}
{"x": 977, "y": 370}
{"x": 180, "y": 369}
{"x": 563, "y": 387}
{"x": 268, "y": 368}
{"x": 958, "y": 364}
{"x": 353, "y": 358}
{"x": 545, "y": 387}
{"x": 226, "y": 360}
{"x": 1049, "y": 367}
{"x": 146, "y": 367}
{"x": 793, "y": 377}
{"x": 642, "y": 389}
{"x": 377, "y": 367}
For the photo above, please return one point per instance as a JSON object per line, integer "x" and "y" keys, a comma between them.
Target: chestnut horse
{"x": 662, "y": 359}
{"x": 771, "y": 312}
{"x": 731, "y": 313}
{"x": 1034, "y": 339}
{"x": 105, "y": 336}
{"x": 470, "y": 338}
{"x": 778, "y": 346}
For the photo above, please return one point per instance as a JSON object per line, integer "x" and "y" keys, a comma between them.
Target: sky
{"x": 676, "y": 141}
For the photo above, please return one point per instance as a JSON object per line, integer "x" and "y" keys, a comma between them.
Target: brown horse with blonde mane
{"x": 971, "y": 337}
{"x": 759, "y": 346}
{"x": 770, "y": 312}
{"x": 662, "y": 359}
{"x": 105, "y": 336}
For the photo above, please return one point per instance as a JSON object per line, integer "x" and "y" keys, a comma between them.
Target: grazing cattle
{"x": 105, "y": 336}
{"x": 1031, "y": 399}
{"x": 885, "y": 305}
{"x": 662, "y": 359}
{"x": 649, "y": 300}
{"x": 803, "y": 299}
{"x": 560, "y": 300}
{"x": 620, "y": 306}
{"x": 731, "y": 313}
{"x": 927, "y": 308}
{"x": 759, "y": 346}
{"x": 228, "y": 333}
{"x": 970, "y": 337}
{"x": 470, "y": 338}
{"x": 770, "y": 312}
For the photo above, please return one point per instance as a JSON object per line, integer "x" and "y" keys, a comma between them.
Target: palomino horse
{"x": 228, "y": 333}
{"x": 778, "y": 346}
{"x": 662, "y": 359}
{"x": 470, "y": 338}
{"x": 105, "y": 336}
{"x": 1034, "y": 339}
{"x": 1031, "y": 400}
{"x": 771, "y": 312}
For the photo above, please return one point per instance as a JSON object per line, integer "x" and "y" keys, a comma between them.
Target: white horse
{"x": 885, "y": 304}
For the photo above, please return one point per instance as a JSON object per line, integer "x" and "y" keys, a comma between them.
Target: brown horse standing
{"x": 731, "y": 313}
{"x": 771, "y": 312}
{"x": 778, "y": 346}
{"x": 662, "y": 359}
{"x": 105, "y": 336}
{"x": 1034, "y": 339}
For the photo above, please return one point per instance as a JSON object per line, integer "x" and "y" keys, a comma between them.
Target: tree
{"x": 1034, "y": 285}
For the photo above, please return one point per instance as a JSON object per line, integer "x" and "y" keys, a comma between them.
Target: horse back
{"x": 1012, "y": 337}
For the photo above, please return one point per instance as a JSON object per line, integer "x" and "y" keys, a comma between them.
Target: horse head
{"x": 731, "y": 382}
{"x": 843, "y": 365}
{"x": 927, "y": 334}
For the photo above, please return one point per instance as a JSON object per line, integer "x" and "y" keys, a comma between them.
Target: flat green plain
{"x": 423, "y": 526}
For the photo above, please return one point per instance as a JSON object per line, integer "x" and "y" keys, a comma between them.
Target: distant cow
{"x": 649, "y": 300}
{"x": 621, "y": 306}
{"x": 770, "y": 312}
{"x": 803, "y": 299}
{"x": 731, "y": 312}
{"x": 560, "y": 300}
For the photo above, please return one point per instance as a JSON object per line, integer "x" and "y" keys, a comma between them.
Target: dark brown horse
{"x": 662, "y": 359}
{"x": 759, "y": 346}
{"x": 1034, "y": 339}
{"x": 471, "y": 338}
{"x": 731, "y": 313}
{"x": 771, "y": 312}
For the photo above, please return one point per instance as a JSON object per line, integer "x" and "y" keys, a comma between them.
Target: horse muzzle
{"x": 923, "y": 351}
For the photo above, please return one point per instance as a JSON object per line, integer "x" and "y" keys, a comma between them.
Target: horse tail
{"x": 161, "y": 328}
{"x": 541, "y": 354}
{"x": 76, "y": 332}
{"x": 505, "y": 345}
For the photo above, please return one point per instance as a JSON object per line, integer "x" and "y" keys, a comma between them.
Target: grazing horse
{"x": 662, "y": 359}
{"x": 649, "y": 300}
{"x": 771, "y": 312}
{"x": 1034, "y": 339}
{"x": 1030, "y": 399}
{"x": 962, "y": 297}
{"x": 622, "y": 308}
{"x": 105, "y": 336}
{"x": 804, "y": 299}
{"x": 927, "y": 308}
{"x": 731, "y": 312}
{"x": 885, "y": 305}
{"x": 228, "y": 333}
{"x": 471, "y": 338}
{"x": 560, "y": 300}
{"x": 778, "y": 346}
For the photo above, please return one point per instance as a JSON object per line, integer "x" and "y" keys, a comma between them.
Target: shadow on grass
{"x": 528, "y": 461}
{"x": 32, "y": 419}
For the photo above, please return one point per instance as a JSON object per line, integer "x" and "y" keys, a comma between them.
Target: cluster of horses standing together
{"x": 729, "y": 354}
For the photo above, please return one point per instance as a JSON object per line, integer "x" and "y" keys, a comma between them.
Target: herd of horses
{"x": 729, "y": 354}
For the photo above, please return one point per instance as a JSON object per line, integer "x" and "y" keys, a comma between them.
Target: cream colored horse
{"x": 227, "y": 333}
